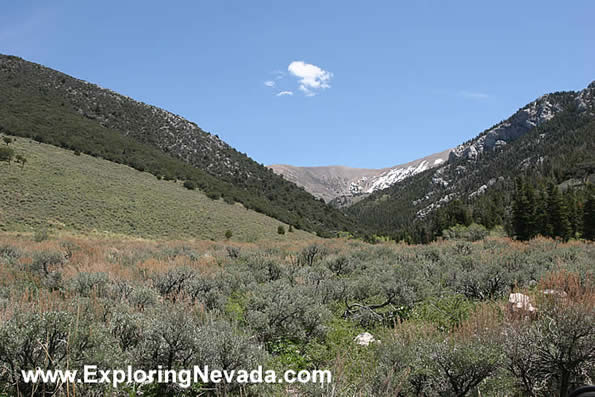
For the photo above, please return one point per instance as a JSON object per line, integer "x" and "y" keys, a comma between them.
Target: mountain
{"x": 552, "y": 139}
{"x": 61, "y": 191}
{"x": 342, "y": 185}
{"x": 52, "y": 107}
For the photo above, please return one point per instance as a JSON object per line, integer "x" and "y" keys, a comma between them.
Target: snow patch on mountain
{"x": 395, "y": 175}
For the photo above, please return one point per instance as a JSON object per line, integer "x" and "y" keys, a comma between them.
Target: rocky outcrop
{"x": 534, "y": 114}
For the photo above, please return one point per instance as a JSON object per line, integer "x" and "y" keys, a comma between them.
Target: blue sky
{"x": 382, "y": 82}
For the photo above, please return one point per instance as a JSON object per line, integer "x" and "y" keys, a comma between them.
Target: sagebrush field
{"x": 439, "y": 313}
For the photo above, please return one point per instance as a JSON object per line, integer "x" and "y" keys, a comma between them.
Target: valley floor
{"x": 438, "y": 315}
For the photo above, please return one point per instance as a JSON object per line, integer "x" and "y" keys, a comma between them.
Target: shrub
{"x": 555, "y": 353}
{"x": 339, "y": 264}
{"x": 177, "y": 251}
{"x": 228, "y": 234}
{"x": 9, "y": 254}
{"x": 233, "y": 252}
{"x": 281, "y": 229}
{"x": 40, "y": 235}
{"x": 42, "y": 260}
{"x": 126, "y": 328}
{"x": 190, "y": 185}
{"x": 490, "y": 277}
{"x": 445, "y": 313}
{"x": 263, "y": 268}
{"x": 171, "y": 283}
{"x": 48, "y": 340}
{"x": 53, "y": 281}
{"x": 459, "y": 366}
{"x": 279, "y": 311}
{"x": 120, "y": 290}
{"x": 401, "y": 367}
{"x": 214, "y": 195}
{"x": 473, "y": 232}
{"x": 310, "y": 254}
{"x": 21, "y": 160}
{"x": 143, "y": 297}
{"x": 84, "y": 283}
{"x": 225, "y": 347}
{"x": 170, "y": 338}
{"x": 208, "y": 291}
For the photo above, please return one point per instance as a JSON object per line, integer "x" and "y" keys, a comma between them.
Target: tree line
{"x": 546, "y": 211}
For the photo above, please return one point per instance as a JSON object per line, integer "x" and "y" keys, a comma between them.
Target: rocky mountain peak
{"x": 530, "y": 116}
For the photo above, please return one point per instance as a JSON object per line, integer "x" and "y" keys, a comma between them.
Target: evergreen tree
{"x": 524, "y": 211}
{"x": 574, "y": 212}
{"x": 531, "y": 210}
{"x": 541, "y": 215}
{"x": 558, "y": 213}
{"x": 589, "y": 218}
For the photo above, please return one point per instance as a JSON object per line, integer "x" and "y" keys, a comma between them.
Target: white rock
{"x": 364, "y": 339}
{"x": 520, "y": 302}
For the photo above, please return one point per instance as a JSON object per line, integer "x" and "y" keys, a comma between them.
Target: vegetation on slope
{"x": 60, "y": 190}
{"x": 52, "y": 107}
{"x": 438, "y": 311}
{"x": 481, "y": 190}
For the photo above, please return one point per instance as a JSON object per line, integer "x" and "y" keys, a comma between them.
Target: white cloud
{"x": 306, "y": 90}
{"x": 283, "y": 93}
{"x": 312, "y": 77}
{"x": 269, "y": 83}
{"x": 473, "y": 95}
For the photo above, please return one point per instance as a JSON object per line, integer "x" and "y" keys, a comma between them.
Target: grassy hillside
{"x": 62, "y": 191}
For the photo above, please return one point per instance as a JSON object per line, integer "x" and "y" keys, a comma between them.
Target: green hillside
{"x": 62, "y": 191}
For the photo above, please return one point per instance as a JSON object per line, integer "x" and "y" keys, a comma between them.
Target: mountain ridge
{"x": 549, "y": 140}
{"x": 339, "y": 184}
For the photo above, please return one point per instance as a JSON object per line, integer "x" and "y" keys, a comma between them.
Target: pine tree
{"x": 531, "y": 207}
{"x": 558, "y": 213}
{"x": 574, "y": 212}
{"x": 524, "y": 211}
{"x": 589, "y": 218}
{"x": 541, "y": 215}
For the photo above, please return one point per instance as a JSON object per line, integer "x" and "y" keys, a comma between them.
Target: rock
{"x": 554, "y": 292}
{"x": 364, "y": 339}
{"x": 518, "y": 302}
